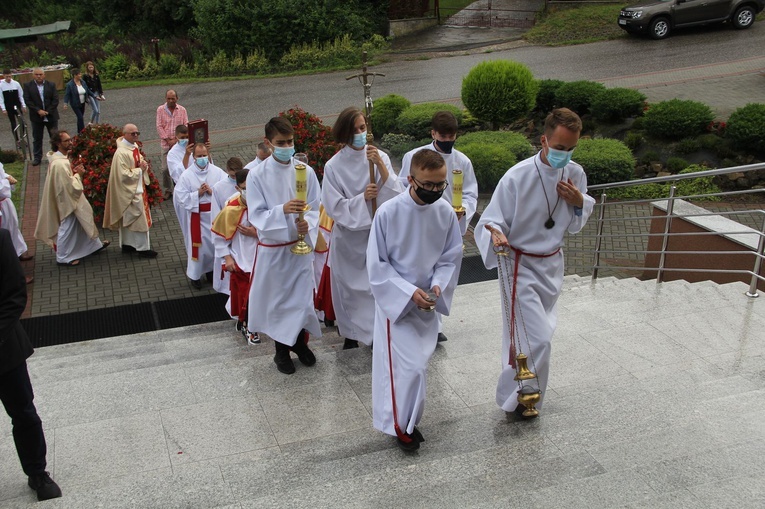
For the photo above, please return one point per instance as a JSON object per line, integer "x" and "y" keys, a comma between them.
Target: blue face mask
{"x": 284, "y": 154}
{"x": 359, "y": 140}
{"x": 183, "y": 142}
{"x": 202, "y": 161}
{"x": 232, "y": 179}
{"x": 558, "y": 158}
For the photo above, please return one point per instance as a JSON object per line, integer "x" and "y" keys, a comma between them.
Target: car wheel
{"x": 744, "y": 17}
{"x": 659, "y": 28}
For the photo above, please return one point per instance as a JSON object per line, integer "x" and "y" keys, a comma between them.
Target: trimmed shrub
{"x": 616, "y": 104}
{"x": 687, "y": 145}
{"x": 604, "y": 160}
{"x": 677, "y": 164}
{"x": 257, "y": 62}
{"x": 415, "y": 120}
{"x": 499, "y": 91}
{"x": 676, "y": 119}
{"x": 385, "y": 111}
{"x": 400, "y": 144}
{"x": 637, "y": 124}
{"x": 9, "y": 156}
{"x": 546, "y": 101}
{"x": 578, "y": 95}
{"x": 689, "y": 187}
{"x": 633, "y": 140}
{"x": 746, "y": 127}
{"x": 515, "y": 142}
{"x": 701, "y": 185}
{"x": 341, "y": 51}
{"x": 490, "y": 162}
{"x": 650, "y": 156}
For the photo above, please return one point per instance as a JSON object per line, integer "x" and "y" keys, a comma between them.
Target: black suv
{"x": 659, "y": 17}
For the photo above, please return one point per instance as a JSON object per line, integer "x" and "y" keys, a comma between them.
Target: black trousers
{"x": 18, "y": 400}
{"x": 37, "y": 135}
{"x": 12, "y": 117}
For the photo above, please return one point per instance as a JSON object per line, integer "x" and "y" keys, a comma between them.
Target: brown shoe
{"x": 25, "y": 257}
{"x": 29, "y": 279}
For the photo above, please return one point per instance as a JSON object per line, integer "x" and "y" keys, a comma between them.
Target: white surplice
{"x": 240, "y": 247}
{"x": 346, "y": 176}
{"x": 282, "y": 283}
{"x": 9, "y": 220}
{"x": 186, "y": 196}
{"x": 175, "y": 162}
{"x": 518, "y": 208}
{"x": 454, "y": 161}
{"x": 410, "y": 246}
{"x": 253, "y": 164}
{"x": 222, "y": 192}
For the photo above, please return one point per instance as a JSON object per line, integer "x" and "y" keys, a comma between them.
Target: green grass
{"x": 17, "y": 170}
{"x": 564, "y": 26}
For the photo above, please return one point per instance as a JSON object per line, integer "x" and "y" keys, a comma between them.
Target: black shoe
{"x": 149, "y": 253}
{"x": 282, "y": 359}
{"x": 305, "y": 355}
{"x": 36, "y": 162}
{"x": 407, "y": 446}
{"x": 128, "y": 249}
{"x": 442, "y": 337}
{"x": 209, "y": 276}
{"x": 350, "y": 343}
{"x": 45, "y": 487}
{"x": 417, "y": 435}
{"x": 197, "y": 283}
{"x": 329, "y": 323}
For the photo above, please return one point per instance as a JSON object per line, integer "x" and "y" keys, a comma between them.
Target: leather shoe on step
{"x": 149, "y": 253}
{"x": 45, "y": 487}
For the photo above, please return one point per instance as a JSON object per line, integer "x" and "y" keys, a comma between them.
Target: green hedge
{"x": 490, "y": 163}
{"x": 515, "y": 142}
{"x": 746, "y": 127}
{"x": 546, "y": 101}
{"x": 385, "y": 112}
{"x": 416, "y": 120}
{"x": 617, "y": 104}
{"x": 400, "y": 144}
{"x": 604, "y": 160}
{"x": 689, "y": 187}
{"x": 676, "y": 119}
{"x": 499, "y": 91}
{"x": 578, "y": 95}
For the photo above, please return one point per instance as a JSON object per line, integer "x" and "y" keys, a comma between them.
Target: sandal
{"x": 73, "y": 263}
{"x": 104, "y": 245}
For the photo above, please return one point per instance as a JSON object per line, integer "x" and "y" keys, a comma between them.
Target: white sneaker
{"x": 252, "y": 338}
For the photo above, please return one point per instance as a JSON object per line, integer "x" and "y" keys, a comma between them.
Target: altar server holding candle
{"x": 444, "y": 133}
{"x": 282, "y": 284}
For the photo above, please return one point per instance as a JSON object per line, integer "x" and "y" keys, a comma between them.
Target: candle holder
{"x": 301, "y": 191}
{"x": 457, "y": 178}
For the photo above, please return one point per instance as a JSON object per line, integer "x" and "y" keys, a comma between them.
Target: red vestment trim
{"x": 401, "y": 435}
{"x": 196, "y": 229}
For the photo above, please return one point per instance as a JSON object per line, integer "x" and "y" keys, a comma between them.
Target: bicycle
{"x": 21, "y": 134}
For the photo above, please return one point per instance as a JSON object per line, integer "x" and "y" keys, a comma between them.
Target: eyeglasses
{"x": 432, "y": 186}
{"x": 136, "y": 133}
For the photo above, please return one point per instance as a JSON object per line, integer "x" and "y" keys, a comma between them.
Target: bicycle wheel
{"x": 22, "y": 134}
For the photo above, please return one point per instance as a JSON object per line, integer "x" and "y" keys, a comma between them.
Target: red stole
{"x": 137, "y": 162}
{"x": 240, "y": 292}
{"x": 196, "y": 229}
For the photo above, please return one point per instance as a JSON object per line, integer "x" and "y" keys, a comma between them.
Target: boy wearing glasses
{"x": 127, "y": 206}
{"x": 444, "y": 133}
{"x": 413, "y": 259}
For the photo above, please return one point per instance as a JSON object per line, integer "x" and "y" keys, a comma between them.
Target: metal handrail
{"x": 625, "y": 224}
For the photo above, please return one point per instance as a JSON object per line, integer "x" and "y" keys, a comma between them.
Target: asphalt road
{"x": 231, "y": 104}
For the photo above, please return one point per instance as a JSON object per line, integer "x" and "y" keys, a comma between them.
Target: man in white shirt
{"x": 12, "y": 99}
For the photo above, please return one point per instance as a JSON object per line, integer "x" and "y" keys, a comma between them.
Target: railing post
{"x": 599, "y": 236}
{"x": 438, "y": 12}
{"x": 757, "y": 264}
{"x": 667, "y": 226}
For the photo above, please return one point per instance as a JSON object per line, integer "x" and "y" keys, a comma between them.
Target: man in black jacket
{"x": 41, "y": 97}
{"x": 15, "y": 387}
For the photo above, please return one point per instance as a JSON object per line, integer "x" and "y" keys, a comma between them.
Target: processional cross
{"x": 367, "y": 84}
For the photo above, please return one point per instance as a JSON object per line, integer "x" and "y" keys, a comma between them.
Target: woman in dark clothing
{"x": 93, "y": 80}
{"x": 76, "y": 95}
